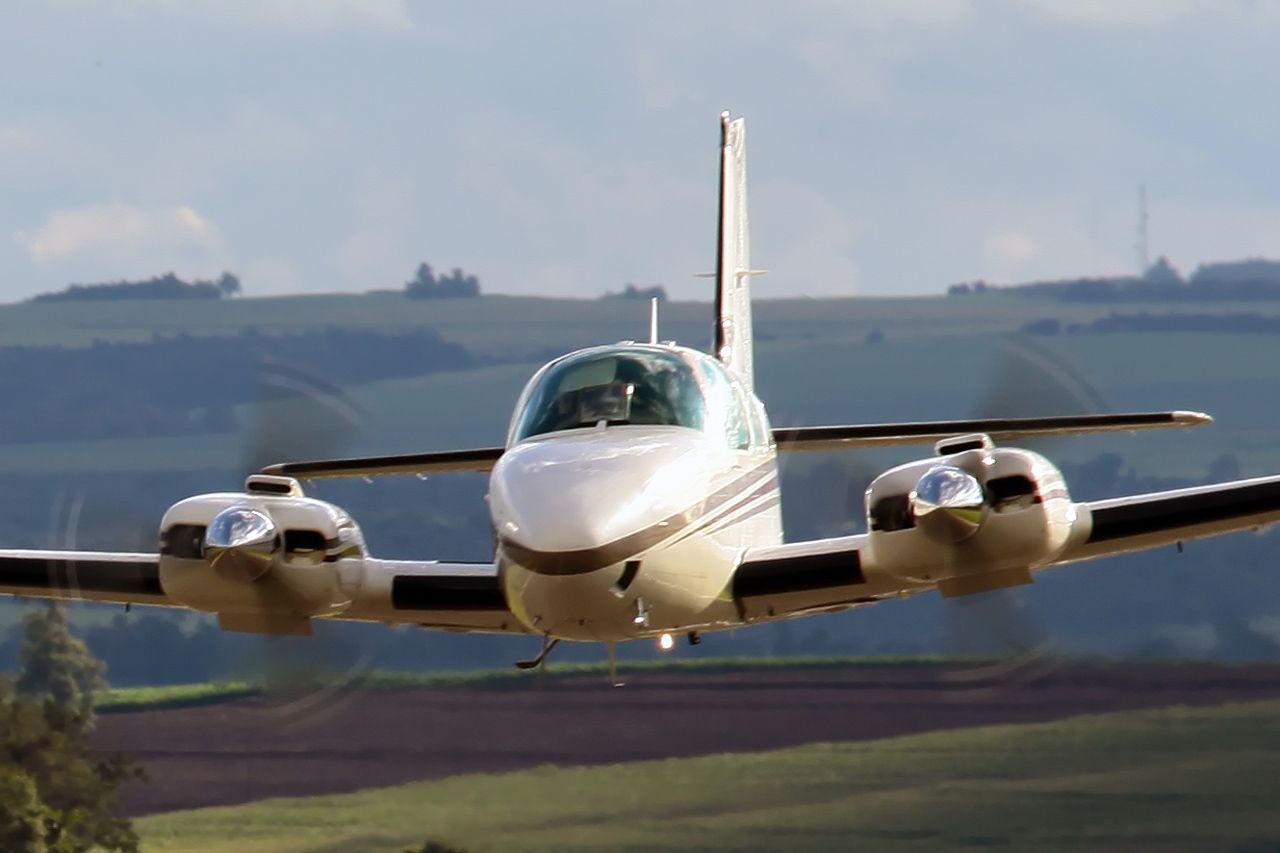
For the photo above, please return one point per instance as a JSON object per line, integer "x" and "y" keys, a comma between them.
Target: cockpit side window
{"x": 760, "y": 418}
{"x": 726, "y": 404}
{"x": 739, "y": 422}
{"x": 640, "y": 387}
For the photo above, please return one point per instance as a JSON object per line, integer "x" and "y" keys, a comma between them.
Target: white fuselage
{"x": 616, "y": 532}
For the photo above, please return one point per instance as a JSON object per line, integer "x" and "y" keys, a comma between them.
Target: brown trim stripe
{"x": 728, "y": 521}
{"x": 715, "y": 519}
{"x": 590, "y": 559}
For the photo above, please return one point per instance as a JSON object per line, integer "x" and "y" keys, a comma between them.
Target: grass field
{"x": 1173, "y": 779}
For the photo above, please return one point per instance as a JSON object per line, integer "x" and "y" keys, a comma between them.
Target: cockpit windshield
{"x": 614, "y": 386}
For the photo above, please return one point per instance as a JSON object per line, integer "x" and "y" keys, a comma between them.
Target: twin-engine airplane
{"x": 637, "y": 496}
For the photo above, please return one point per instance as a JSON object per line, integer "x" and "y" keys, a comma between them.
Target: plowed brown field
{"x": 326, "y": 743}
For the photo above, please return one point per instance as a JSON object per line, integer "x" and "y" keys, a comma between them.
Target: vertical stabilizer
{"x": 732, "y": 342}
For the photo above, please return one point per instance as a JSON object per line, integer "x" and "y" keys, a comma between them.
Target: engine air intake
{"x": 960, "y": 443}
{"x": 269, "y": 484}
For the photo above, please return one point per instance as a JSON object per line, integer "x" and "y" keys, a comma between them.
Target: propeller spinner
{"x": 241, "y": 544}
{"x": 948, "y": 504}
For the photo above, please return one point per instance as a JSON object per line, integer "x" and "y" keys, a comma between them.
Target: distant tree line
{"x": 1245, "y": 324}
{"x": 632, "y": 291}
{"x": 1251, "y": 279}
{"x": 457, "y": 284}
{"x": 167, "y": 286}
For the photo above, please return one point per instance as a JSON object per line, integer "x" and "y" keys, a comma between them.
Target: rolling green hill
{"x": 1175, "y": 779}
{"x": 940, "y": 358}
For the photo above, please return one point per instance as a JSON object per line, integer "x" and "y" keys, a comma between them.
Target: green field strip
{"x": 125, "y": 699}
{"x": 1171, "y": 779}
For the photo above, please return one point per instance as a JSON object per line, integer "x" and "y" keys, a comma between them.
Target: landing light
{"x": 666, "y": 642}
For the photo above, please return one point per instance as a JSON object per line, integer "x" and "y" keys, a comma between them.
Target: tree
{"x": 48, "y": 773}
{"x": 632, "y": 291}
{"x": 58, "y": 671}
{"x": 228, "y": 285}
{"x": 426, "y": 285}
{"x": 1163, "y": 274}
{"x": 22, "y": 815}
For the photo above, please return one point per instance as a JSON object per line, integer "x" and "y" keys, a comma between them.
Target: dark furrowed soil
{"x": 318, "y": 743}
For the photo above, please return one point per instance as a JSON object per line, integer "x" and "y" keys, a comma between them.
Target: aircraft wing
{"x": 1135, "y": 523}
{"x": 822, "y": 575}
{"x": 999, "y": 429}
{"x": 87, "y": 575}
{"x": 449, "y": 461}
{"x": 835, "y": 574}
{"x": 448, "y": 596}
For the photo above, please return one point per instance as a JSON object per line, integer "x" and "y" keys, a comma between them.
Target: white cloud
{"x": 1009, "y": 248}
{"x": 124, "y": 239}
{"x": 278, "y": 15}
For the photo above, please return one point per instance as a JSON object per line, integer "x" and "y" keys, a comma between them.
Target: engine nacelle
{"x": 978, "y": 511}
{"x": 267, "y": 559}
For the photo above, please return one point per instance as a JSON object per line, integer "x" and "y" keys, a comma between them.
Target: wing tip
{"x": 1191, "y": 419}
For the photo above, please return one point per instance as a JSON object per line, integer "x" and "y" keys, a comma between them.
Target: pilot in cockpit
{"x": 619, "y": 390}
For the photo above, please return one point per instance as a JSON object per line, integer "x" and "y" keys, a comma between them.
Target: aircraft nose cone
{"x": 567, "y": 507}
{"x": 241, "y": 543}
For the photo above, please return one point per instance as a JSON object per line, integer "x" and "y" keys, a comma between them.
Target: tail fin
{"x": 733, "y": 343}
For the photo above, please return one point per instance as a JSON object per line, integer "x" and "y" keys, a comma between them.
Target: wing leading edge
{"x": 999, "y": 429}
{"x": 449, "y": 461}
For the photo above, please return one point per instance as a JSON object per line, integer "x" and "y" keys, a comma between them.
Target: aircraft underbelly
{"x": 680, "y": 585}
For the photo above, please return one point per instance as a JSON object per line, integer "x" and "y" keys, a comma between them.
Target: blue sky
{"x": 569, "y": 147}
